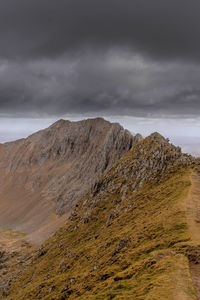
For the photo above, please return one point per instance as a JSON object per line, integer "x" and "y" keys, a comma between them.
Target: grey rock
{"x": 66, "y": 160}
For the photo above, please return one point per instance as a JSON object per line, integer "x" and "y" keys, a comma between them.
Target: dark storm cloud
{"x": 50, "y": 27}
{"x": 133, "y": 57}
{"x": 114, "y": 82}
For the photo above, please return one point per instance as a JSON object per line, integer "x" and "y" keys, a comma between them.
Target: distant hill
{"x": 43, "y": 176}
{"x": 135, "y": 236}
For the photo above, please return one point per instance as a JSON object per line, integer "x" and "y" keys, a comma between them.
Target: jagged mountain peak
{"x": 56, "y": 167}
{"x": 156, "y": 135}
{"x": 89, "y": 121}
{"x": 127, "y": 239}
{"x": 151, "y": 160}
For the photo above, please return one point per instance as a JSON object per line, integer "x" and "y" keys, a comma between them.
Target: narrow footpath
{"x": 193, "y": 219}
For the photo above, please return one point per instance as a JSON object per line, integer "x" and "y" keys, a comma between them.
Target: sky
{"x": 136, "y": 62}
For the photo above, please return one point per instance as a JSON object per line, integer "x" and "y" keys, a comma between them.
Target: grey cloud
{"x": 133, "y": 57}
{"x": 158, "y": 28}
{"x": 112, "y": 82}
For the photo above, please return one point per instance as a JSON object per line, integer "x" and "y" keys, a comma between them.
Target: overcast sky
{"x": 122, "y": 59}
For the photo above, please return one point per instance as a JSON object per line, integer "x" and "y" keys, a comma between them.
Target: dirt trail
{"x": 193, "y": 207}
{"x": 193, "y": 219}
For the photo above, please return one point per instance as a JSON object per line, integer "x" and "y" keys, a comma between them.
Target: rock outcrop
{"x": 43, "y": 176}
{"x": 128, "y": 239}
{"x": 150, "y": 160}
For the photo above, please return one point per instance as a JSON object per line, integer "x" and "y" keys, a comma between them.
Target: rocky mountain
{"x": 134, "y": 236}
{"x": 43, "y": 176}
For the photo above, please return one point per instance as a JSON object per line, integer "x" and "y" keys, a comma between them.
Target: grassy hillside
{"x": 129, "y": 239}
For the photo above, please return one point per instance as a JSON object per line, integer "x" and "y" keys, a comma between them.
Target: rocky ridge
{"x": 45, "y": 174}
{"x": 127, "y": 239}
{"x": 146, "y": 162}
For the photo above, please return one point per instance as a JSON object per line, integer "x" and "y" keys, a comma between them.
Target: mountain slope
{"x": 129, "y": 239}
{"x": 193, "y": 220}
{"x": 42, "y": 177}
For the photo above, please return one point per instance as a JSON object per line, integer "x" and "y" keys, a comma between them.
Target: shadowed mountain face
{"x": 42, "y": 177}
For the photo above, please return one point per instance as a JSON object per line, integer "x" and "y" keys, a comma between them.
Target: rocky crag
{"x": 43, "y": 176}
{"x": 128, "y": 239}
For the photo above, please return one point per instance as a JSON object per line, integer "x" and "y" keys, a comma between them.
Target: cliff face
{"x": 43, "y": 176}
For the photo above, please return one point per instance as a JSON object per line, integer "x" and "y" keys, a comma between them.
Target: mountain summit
{"x": 134, "y": 236}
{"x": 43, "y": 176}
